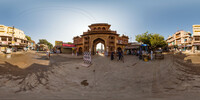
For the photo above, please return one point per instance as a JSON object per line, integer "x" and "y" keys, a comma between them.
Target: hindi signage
{"x": 58, "y": 43}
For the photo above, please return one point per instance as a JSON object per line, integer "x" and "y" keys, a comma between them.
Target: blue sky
{"x": 64, "y": 19}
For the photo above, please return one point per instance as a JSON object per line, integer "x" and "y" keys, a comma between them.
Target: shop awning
{"x": 144, "y": 45}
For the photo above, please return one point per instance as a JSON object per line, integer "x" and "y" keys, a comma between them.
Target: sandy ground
{"x": 65, "y": 77}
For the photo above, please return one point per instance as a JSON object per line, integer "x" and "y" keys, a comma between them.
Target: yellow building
{"x": 12, "y": 37}
{"x": 196, "y": 38}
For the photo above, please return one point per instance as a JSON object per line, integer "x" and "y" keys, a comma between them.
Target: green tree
{"x": 28, "y": 38}
{"x": 44, "y": 41}
{"x": 153, "y": 40}
{"x": 69, "y": 42}
{"x": 144, "y": 38}
{"x": 157, "y": 41}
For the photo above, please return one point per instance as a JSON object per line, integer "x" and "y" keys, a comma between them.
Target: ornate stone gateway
{"x": 100, "y": 33}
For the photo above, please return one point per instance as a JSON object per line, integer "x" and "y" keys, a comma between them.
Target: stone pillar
{"x": 7, "y": 39}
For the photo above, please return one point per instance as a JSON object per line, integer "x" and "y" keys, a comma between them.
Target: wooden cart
{"x": 159, "y": 55}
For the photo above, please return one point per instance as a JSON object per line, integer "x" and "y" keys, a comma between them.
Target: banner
{"x": 4, "y": 43}
{"x": 68, "y": 45}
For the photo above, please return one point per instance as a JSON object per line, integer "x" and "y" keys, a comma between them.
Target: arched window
{"x": 95, "y": 28}
{"x": 99, "y": 28}
{"x": 104, "y": 28}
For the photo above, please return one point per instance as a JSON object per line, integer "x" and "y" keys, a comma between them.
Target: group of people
{"x": 119, "y": 53}
{"x": 139, "y": 53}
{"x": 148, "y": 53}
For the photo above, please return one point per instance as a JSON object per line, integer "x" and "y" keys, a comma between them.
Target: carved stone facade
{"x": 100, "y": 33}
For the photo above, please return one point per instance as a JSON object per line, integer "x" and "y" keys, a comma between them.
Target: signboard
{"x": 68, "y": 45}
{"x": 4, "y": 43}
{"x": 13, "y": 42}
{"x": 58, "y": 43}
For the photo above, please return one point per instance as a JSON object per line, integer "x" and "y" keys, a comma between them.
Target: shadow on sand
{"x": 186, "y": 65}
{"x": 32, "y": 76}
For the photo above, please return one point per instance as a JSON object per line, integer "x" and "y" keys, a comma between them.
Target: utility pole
{"x": 101, "y": 47}
{"x": 13, "y": 38}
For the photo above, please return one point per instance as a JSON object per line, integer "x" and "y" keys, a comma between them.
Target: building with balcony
{"x": 180, "y": 40}
{"x": 12, "y": 37}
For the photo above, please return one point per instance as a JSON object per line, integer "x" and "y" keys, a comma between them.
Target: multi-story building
{"x": 196, "y": 38}
{"x": 12, "y": 37}
{"x": 180, "y": 40}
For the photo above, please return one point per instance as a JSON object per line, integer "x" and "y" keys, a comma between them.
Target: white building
{"x": 12, "y": 37}
{"x": 196, "y": 38}
{"x": 181, "y": 39}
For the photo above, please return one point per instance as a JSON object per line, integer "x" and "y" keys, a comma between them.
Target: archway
{"x": 95, "y": 42}
{"x": 119, "y": 49}
{"x": 80, "y": 51}
{"x": 100, "y": 48}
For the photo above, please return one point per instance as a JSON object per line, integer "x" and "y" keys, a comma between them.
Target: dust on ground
{"x": 33, "y": 76}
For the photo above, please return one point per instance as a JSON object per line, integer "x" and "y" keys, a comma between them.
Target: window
{"x": 104, "y": 28}
{"x": 9, "y": 39}
{"x": 99, "y": 28}
{"x": 197, "y": 38}
{"x": 185, "y": 40}
{"x": 198, "y": 47}
{"x": 3, "y": 38}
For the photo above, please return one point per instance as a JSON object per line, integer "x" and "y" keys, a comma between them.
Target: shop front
{"x": 196, "y": 48}
{"x": 68, "y": 48}
{"x": 132, "y": 48}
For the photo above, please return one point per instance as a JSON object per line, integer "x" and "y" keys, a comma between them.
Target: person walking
{"x": 119, "y": 54}
{"x": 151, "y": 54}
{"x": 48, "y": 54}
{"x": 112, "y": 56}
{"x": 122, "y": 56}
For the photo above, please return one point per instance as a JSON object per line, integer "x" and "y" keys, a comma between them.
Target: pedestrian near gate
{"x": 87, "y": 57}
